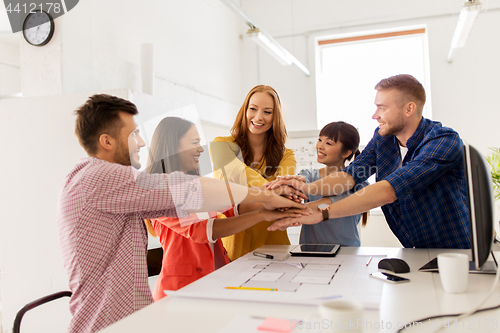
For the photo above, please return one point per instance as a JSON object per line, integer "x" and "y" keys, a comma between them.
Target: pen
{"x": 263, "y": 255}
{"x": 296, "y": 265}
{"x": 252, "y": 288}
{"x": 369, "y": 261}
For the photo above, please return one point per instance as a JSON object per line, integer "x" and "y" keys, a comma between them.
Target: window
{"x": 349, "y": 67}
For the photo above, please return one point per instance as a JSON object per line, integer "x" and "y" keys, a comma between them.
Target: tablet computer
{"x": 315, "y": 250}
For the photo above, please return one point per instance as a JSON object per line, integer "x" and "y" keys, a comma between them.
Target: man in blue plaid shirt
{"x": 419, "y": 169}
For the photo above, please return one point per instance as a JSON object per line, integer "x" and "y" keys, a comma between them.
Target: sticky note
{"x": 276, "y": 325}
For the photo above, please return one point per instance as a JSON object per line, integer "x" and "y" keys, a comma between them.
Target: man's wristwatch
{"x": 323, "y": 208}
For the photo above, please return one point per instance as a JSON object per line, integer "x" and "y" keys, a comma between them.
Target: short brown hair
{"x": 411, "y": 89}
{"x": 100, "y": 115}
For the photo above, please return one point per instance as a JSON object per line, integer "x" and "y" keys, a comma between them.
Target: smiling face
{"x": 330, "y": 153}
{"x": 129, "y": 142}
{"x": 389, "y": 113}
{"x": 190, "y": 150}
{"x": 260, "y": 112}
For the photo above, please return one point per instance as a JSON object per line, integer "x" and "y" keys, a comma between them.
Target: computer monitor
{"x": 480, "y": 200}
{"x": 481, "y": 205}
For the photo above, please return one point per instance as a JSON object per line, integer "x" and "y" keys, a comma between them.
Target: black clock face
{"x": 38, "y": 28}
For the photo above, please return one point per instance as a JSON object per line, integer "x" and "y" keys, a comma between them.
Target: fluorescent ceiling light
{"x": 270, "y": 46}
{"x": 265, "y": 40}
{"x": 468, "y": 15}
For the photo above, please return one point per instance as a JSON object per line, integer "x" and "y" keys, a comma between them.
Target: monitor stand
{"x": 489, "y": 267}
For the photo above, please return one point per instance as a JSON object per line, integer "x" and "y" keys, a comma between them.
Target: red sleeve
{"x": 229, "y": 212}
{"x": 190, "y": 227}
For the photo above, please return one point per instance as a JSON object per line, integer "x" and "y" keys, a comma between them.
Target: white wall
{"x": 196, "y": 44}
{"x": 201, "y": 60}
{"x": 10, "y": 80}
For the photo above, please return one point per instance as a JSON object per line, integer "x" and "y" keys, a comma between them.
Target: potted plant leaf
{"x": 494, "y": 162}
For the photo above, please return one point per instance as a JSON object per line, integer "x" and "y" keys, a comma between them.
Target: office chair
{"x": 34, "y": 304}
{"x": 154, "y": 259}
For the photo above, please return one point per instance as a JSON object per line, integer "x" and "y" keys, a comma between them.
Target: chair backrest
{"x": 154, "y": 259}
{"x": 34, "y": 304}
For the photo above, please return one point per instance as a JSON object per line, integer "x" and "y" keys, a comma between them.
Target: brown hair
{"x": 164, "y": 152}
{"x": 275, "y": 136}
{"x": 410, "y": 88}
{"x": 348, "y": 135}
{"x": 100, "y": 115}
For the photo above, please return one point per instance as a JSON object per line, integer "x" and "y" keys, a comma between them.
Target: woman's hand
{"x": 290, "y": 193}
{"x": 275, "y": 201}
{"x": 297, "y": 182}
{"x": 284, "y": 223}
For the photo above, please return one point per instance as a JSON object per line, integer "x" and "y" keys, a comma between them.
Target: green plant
{"x": 494, "y": 162}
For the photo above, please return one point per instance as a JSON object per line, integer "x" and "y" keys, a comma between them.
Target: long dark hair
{"x": 164, "y": 151}
{"x": 275, "y": 136}
{"x": 348, "y": 135}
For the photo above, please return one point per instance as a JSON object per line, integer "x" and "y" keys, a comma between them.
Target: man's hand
{"x": 273, "y": 215}
{"x": 284, "y": 223}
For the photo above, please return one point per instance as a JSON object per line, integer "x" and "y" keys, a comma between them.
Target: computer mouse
{"x": 395, "y": 265}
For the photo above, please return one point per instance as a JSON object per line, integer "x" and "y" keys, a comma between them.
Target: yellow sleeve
{"x": 227, "y": 158}
{"x": 288, "y": 164}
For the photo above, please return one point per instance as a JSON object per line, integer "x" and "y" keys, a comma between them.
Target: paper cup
{"x": 341, "y": 316}
{"x": 453, "y": 271}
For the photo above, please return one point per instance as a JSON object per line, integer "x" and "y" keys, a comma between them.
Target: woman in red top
{"x": 192, "y": 246}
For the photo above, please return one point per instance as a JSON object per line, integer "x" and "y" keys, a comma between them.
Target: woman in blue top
{"x": 338, "y": 142}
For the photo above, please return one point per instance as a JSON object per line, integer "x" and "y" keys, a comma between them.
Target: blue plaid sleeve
{"x": 434, "y": 157}
{"x": 364, "y": 165}
{"x": 307, "y": 174}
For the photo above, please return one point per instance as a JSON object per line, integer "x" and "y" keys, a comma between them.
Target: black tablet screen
{"x": 316, "y": 247}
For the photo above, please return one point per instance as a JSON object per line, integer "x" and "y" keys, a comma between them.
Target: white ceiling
{"x": 293, "y": 17}
{"x": 327, "y": 12}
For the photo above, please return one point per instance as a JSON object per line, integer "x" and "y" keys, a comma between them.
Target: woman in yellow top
{"x": 253, "y": 155}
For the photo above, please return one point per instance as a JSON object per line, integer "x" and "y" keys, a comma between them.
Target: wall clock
{"x": 38, "y": 28}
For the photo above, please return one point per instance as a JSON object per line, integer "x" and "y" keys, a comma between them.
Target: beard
{"x": 122, "y": 156}
{"x": 393, "y": 129}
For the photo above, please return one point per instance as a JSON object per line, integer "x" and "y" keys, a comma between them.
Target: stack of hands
{"x": 294, "y": 188}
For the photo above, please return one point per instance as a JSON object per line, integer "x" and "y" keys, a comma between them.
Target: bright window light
{"x": 349, "y": 68}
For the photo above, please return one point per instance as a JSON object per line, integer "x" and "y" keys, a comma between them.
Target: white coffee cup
{"x": 341, "y": 316}
{"x": 453, "y": 271}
